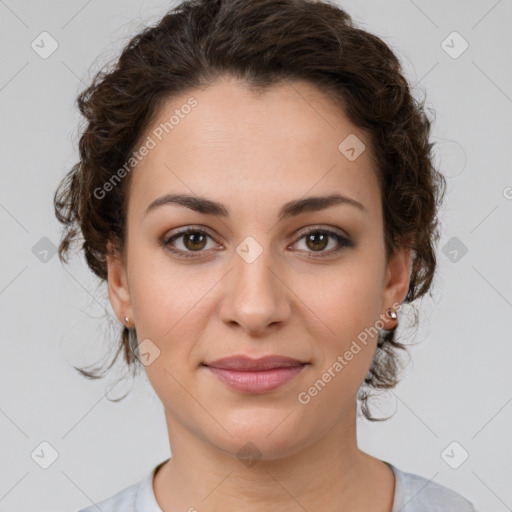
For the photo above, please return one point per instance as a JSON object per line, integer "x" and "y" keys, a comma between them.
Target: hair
{"x": 261, "y": 43}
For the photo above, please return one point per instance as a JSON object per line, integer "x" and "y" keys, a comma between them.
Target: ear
{"x": 118, "y": 290}
{"x": 397, "y": 277}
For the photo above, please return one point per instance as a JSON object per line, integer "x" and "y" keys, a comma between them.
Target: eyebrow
{"x": 290, "y": 209}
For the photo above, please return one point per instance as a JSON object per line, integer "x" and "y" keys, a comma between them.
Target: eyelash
{"x": 342, "y": 240}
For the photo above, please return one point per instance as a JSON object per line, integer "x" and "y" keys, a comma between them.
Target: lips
{"x": 243, "y": 374}
{"x": 247, "y": 364}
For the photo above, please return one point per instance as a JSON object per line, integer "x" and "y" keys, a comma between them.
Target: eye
{"x": 194, "y": 240}
{"x": 316, "y": 240}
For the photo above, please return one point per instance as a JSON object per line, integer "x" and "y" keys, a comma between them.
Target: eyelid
{"x": 323, "y": 228}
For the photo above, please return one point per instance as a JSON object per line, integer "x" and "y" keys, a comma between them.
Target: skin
{"x": 253, "y": 153}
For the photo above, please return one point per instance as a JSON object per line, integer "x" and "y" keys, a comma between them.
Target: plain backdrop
{"x": 457, "y": 387}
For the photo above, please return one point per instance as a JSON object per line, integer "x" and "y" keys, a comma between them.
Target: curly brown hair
{"x": 260, "y": 42}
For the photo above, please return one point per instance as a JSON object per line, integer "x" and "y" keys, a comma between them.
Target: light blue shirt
{"x": 413, "y": 493}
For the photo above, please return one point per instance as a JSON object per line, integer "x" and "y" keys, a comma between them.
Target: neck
{"x": 329, "y": 474}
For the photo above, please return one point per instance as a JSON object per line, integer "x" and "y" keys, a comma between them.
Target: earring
{"x": 391, "y": 313}
{"x": 126, "y": 321}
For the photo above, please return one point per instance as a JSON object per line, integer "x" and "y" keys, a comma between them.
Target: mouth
{"x": 255, "y": 376}
{"x": 245, "y": 363}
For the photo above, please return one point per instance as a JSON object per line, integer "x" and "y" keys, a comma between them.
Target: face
{"x": 256, "y": 275}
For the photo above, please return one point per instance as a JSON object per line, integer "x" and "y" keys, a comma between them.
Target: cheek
{"x": 349, "y": 306}
{"x": 349, "y": 301}
{"x": 172, "y": 307}
{"x": 162, "y": 294}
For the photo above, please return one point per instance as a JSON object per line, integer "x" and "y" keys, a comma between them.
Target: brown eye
{"x": 191, "y": 241}
{"x": 194, "y": 241}
{"x": 317, "y": 240}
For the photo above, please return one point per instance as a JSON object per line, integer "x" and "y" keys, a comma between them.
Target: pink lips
{"x": 255, "y": 375}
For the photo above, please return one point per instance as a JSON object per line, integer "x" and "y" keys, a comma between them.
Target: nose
{"x": 255, "y": 296}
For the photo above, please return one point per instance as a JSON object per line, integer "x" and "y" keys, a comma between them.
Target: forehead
{"x": 229, "y": 142}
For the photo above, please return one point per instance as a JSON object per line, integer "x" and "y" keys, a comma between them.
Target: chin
{"x": 253, "y": 441}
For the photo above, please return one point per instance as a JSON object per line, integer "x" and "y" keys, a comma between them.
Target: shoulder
{"x": 415, "y": 493}
{"x": 138, "y": 497}
{"x": 122, "y": 501}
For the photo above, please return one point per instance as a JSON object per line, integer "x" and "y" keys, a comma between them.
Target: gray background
{"x": 458, "y": 384}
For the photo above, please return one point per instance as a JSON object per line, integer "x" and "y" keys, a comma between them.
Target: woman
{"x": 256, "y": 187}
